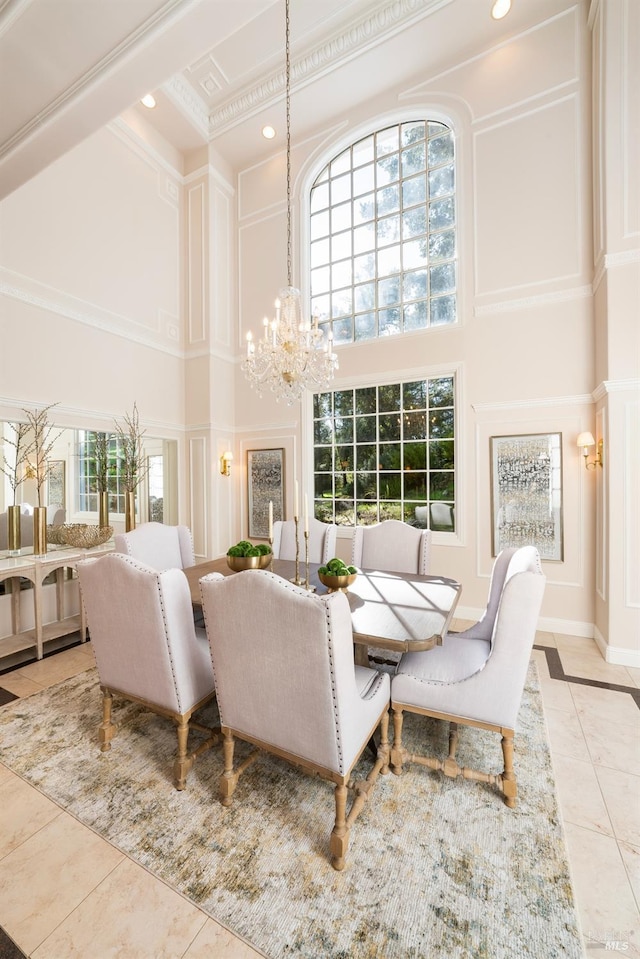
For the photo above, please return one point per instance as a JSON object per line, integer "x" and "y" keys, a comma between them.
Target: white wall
{"x": 524, "y": 350}
{"x": 90, "y": 314}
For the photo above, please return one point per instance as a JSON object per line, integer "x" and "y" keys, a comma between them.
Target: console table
{"x": 36, "y": 570}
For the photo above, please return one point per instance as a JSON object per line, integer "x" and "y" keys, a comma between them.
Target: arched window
{"x": 383, "y": 234}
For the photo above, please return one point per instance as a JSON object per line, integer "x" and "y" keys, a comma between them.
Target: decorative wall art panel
{"x": 265, "y": 472}
{"x": 56, "y": 483}
{"x": 526, "y": 493}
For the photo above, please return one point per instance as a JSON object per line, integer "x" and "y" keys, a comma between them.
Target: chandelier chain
{"x": 288, "y": 110}
{"x": 294, "y": 353}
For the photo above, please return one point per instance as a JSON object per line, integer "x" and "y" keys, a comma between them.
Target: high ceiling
{"x": 216, "y": 67}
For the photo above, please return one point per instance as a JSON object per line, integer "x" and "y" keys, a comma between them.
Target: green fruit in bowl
{"x": 245, "y": 548}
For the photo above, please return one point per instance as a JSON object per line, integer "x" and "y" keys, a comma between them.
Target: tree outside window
{"x": 386, "y": 452}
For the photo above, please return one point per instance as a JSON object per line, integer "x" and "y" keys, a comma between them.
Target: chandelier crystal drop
{"x": 293, "y": 354}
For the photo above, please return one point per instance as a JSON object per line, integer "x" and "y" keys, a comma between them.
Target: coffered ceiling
{"x": 216, "y": 67}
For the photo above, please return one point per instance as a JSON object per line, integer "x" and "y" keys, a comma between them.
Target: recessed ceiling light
{"x": 149, "y": 101}
{"x": 268, "y": 132}
{"x": 500, "y": 9}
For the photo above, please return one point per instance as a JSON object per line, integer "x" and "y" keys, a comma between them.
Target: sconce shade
{"x": 585, "y": 439}
{"x": 225, "y": 463}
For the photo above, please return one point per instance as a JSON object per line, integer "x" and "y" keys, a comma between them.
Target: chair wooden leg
{"x": 509, "y": 785}
{"x": 397, "y": 751}
{"x": 107, "y": 729}
{"x": 454, "y": 735}
{"x": 227, "y": 780}
{"x": 183, "y": 762}
{"x": 340, "y": 835}
{"x": 384, "y": 752}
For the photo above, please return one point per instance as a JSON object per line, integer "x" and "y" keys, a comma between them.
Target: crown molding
{"x": 352, "y": 40}
{"x": 631, "y": 385}
{"x": 188, "y": 102}
{"x": 621, "y": 259}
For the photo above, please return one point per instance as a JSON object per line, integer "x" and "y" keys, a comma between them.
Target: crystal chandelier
{"x": 293, "y": 353}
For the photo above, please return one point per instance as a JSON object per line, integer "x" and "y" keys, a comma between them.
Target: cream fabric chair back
{"x": 322, "y": 540}
{"x": 478, "y": 679}
{"x": 483, "y": 629}
{"x": 158, "y": 546}
{"x": 145, "y": 643}
{"x": 392, "y": 546}
{"x": 311, "y": 708}
{"x": 286, "y": 681}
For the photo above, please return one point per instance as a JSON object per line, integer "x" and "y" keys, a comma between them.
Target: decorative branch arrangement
{"x": 42, "y": 442}
{"x": 133, "y": 463}
{"x": 12, "y": 467}
{"x": 101, "y": 454}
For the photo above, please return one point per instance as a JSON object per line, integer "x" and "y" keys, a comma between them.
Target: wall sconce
{"x": 584, "y": 441}
{"x": 225, "y": 463}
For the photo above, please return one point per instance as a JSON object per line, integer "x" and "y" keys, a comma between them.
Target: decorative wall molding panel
{"x": 581, "y": 399}
{"x": 535, "y": 301}
{"x": 31, "y": 292}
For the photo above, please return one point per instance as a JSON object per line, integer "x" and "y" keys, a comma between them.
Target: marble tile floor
{"x": 65, "y": 892}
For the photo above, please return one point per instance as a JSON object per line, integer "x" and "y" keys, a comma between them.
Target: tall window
{"x": 386, "y": 452}
{"x": 382, "y": 234}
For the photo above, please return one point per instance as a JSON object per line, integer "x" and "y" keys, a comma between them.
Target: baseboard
{"x": 568, "y": 627}
{"x": 617, "y": 655}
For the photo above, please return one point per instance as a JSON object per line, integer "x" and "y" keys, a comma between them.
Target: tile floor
{"x": 64, "y": 892}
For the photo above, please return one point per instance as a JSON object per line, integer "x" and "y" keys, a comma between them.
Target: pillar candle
{"x": 295, "y": 499}
{"x": 270, "y": 519}
{"x": 306, "y": 514}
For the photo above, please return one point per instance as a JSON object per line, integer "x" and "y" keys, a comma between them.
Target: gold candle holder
{"x": 271, "y": 548}
{"x": 296, "y": 579}
{"x": 306, "y": 562}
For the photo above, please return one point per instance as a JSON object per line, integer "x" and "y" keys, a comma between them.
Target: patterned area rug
{"x": 435, "y": 867}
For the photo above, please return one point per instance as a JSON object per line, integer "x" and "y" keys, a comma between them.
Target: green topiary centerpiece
{"x": 337, "y": 575}
{"x": 244, "y": 555}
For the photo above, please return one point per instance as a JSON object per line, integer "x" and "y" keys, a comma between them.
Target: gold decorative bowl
{"x": 238, "y": 563}
{"x": 335, "y": 583}
{"x": 54, "y": 535}
{"x": 83, "y": 535}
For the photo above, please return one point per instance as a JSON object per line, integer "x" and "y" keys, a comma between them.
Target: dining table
{"x": 403, "y": 612}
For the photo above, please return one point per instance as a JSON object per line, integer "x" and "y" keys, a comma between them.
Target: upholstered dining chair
{"x": 477, "y": 677}
{"x": 286, "y": 682}
{"x": 392, "y": 546}
{"x": 146, "y": 647}
{"x": 322, "y": 540}
{"x": 397, "y": 548}
{"x": 157, "y": 545}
